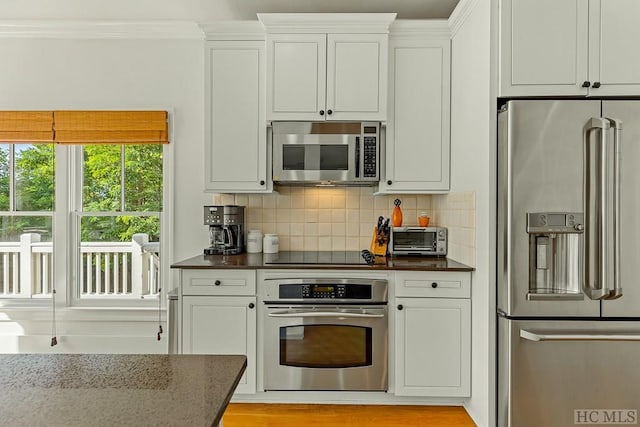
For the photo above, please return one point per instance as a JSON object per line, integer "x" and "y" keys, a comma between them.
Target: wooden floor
{"x": 288, "y": 415}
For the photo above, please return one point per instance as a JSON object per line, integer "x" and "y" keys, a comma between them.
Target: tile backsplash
{"x": 343, "y": 218}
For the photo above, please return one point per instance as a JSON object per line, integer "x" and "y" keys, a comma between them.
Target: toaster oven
{"x": 418, "y": 241}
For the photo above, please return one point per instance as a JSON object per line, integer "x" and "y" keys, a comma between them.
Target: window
{"x": 27, "y": 199}
{"x": 118, "y": 222}
{"x": 92, "y": 185}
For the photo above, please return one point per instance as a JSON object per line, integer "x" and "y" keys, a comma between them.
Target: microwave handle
{"x": 357, "y": 157}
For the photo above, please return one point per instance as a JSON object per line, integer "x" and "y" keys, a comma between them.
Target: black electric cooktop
{"x": 316, "y": 257}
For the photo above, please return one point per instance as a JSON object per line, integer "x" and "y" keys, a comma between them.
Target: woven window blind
{"x": 26, "y": 127}
{"x": 84, "y": 127}
{"x": 110, "y": 127}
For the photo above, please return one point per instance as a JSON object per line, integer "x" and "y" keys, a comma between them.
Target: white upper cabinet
{"x": 297, "y": 76}
{"x": 235, "y": 120}
{"x": 327, "y": 66}
{"x": 569, "y": 48}
{"x": 417, "y": 156}
{"x": 614, "y": 32}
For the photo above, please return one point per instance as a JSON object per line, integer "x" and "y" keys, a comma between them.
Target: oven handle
{"x": 323, "y": 314}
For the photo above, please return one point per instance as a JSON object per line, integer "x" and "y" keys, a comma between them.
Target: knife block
{"x": 378, "y": 248}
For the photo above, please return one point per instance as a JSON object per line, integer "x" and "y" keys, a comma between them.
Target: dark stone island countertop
{"x": 327, "y": 260}
{"x": 116, "y": 389}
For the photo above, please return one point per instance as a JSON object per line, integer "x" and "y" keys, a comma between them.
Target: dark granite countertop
{"x": 116, "y": 389}
{"x": 320, "y": 260}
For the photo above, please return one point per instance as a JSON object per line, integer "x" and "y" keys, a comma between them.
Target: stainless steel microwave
{"x": 326, "y": 152}
{"x": 418, "y": 241}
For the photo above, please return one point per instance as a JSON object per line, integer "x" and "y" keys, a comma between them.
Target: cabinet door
{"x": 543, "y": 47}
{"x": 433, "y": 347}
{"x": 613, "y": 40}
{"x": 296, "y": 76}
{"x": 417, "y": 137}
{"x": 222, "y": 325}
{"x": 356, "y": 76}
{"x": 236, "y": 135}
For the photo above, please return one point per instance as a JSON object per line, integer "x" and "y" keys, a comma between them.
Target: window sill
{"x": 102, "y": 314}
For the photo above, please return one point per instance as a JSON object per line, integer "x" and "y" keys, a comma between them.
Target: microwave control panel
{"x": 370, "y": 137}
{"x": 370, "y": 156}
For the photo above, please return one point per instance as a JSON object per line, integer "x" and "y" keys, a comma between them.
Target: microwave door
{"x": 337, "y": 157}
{"x": 315, "y": 157}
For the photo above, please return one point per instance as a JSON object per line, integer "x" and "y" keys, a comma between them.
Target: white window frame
{"x": 72, "y": 158}
{"x": 35, "y": 300}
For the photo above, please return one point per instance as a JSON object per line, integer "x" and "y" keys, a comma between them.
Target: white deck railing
{"x": 108, "y": 269}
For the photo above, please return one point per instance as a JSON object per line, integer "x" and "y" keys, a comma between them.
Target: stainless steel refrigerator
{"x": 568, "y": 262}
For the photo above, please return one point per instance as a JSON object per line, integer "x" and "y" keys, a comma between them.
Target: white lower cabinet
{"x": 432, "y": 341}
{"x": 221, "y": 324}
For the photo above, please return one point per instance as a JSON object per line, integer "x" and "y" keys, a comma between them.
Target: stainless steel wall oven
{"x": 326, "y": 334}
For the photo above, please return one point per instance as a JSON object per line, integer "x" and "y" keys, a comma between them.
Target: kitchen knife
{"x": 385, "y": 229}
{"x": 379, "y": 230}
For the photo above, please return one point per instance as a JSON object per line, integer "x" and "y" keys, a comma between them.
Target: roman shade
{"x": 26, "y": 127}
{"x": 110, "y": 127}
{"x": 84, "y": 127}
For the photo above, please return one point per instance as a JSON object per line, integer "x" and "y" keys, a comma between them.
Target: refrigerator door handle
{"x": 588, "y": 336}
{"x": 599, "y": 236}
{"x": 616, "y": 124}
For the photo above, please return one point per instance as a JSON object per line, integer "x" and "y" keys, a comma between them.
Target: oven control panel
{"x": 324, "y": 291}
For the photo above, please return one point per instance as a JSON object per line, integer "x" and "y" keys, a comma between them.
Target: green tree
{"x": 35, "y": 177}
{"x": 102, "y": 189}
{"x": 33, "y": 187}
{"x": 103, "y": 186}
{"x": 4, "y": 177}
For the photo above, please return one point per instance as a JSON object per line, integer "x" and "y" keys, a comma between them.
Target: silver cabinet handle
{"x": 324, "y": 314}
{"x": 599, "y": 232}
{"x": 587, "y": 336}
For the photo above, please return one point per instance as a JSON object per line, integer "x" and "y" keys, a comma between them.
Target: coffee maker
{"x": 226, "y": 229}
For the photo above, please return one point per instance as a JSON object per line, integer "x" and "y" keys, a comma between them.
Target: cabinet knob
{"x": 586, "y": 84}
{"x": 400, "y": 307}
{"x": 217, "y": 283}
{"x": 251, "y": 305}
{"x": 434, "y": 285}
{"x": 596, "y": 85}
{"x": 261, "y": 182}
{"x": 389, "y": 182}
{"x": 322, "y": 112}
{"x": 329, "y": 112}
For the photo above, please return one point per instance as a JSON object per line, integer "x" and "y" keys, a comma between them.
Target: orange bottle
{"x": 396, "y": 215}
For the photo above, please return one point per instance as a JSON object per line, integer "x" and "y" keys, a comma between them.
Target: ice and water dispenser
{"x": 555, "y": 255}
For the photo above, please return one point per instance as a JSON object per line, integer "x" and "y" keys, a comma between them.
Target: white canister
{"x": 254, "y": 241}
{"x": 270, "y": 244}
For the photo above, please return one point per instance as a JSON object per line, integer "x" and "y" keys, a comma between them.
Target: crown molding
{"x": 419, "y": 27}
{"x": 326, "y": 22}
{"x": 101, "y": 30}
{"x": 460, "y": 14}
{"x": 233, "y": 30}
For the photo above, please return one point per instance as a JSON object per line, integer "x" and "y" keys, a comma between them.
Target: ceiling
{"x": 406, "y": 9}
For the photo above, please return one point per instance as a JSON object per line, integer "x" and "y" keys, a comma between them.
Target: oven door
{"x": 325, "y": 348}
